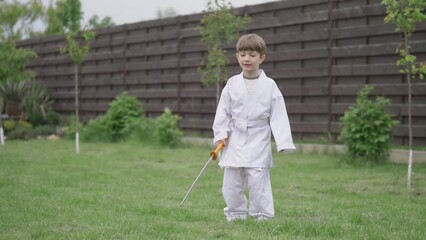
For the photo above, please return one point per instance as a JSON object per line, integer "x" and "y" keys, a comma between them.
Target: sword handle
{"x": 215, "y": 152}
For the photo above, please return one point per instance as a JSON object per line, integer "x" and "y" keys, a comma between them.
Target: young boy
{"x": 250, "y": 107}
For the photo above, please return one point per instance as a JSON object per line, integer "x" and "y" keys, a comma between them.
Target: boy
{"x": 250, "y": 107}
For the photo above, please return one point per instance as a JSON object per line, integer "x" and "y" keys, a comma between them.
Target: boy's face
{"x": 250, "y": 61}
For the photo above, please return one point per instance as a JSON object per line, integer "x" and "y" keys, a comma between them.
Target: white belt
{"x": 242, "y": 124}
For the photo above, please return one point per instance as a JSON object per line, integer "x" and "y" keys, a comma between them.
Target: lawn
{"x": 132, "y": 191}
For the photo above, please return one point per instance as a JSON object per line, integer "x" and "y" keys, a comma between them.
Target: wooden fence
{"x": 320, "y": 53}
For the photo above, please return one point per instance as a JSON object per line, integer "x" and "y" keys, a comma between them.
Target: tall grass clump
{"x": 367, "y": 129}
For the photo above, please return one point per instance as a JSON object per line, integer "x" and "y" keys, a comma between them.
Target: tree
{"x": 16, "y": 18}
{"x": 15, "y": 23}
{"x": 66, "y": 16}
{"x": 96, "y": 23}
{"x": 405, "y": 14}
{"x": 77, "y": 51}
{"x": 218, "y": 27}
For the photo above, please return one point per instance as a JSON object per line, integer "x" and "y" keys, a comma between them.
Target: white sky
{"x": 130, "y": 11}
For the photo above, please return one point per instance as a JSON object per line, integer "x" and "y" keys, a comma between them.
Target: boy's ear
{"x": 262, "y": 58}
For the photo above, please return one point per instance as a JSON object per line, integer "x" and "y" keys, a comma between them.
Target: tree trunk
{"x": 77, "y": 121}
{"x": 1, "y": 122}
{"x": 410, "y": 127}
{"x": 218, "y": 86}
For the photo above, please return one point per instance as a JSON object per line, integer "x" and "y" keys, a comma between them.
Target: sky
{"x": 131, "y": 11}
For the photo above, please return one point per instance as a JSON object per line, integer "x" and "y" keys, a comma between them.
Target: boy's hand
{"x": 224, "y": 141}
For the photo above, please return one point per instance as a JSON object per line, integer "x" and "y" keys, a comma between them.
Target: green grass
{"x": 132, "y": 191}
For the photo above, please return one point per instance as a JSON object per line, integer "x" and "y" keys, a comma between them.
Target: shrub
{"x": 367, "y": 129}
{"x": 21, "y": 130}
{"x": 24, "y": 124}
{"x": 43, "y": 130}
{"x": 9, "y": 125}
{"x": 142, "y": 129}
{"x": 96, "y": 130}
{"x": 118, "y": 122}
{"x": 122, "y": 111}
{"x": 37, "y": 103}
{"x": 167, "y": 130}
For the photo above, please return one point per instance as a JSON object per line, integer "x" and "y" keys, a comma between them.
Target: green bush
{"x": 9, "y": 125}
{"x": 118, "y": 122}
{"x": 167, "y": 130}
{"x": 96, "y": 130}
{"x": 43, "y": 130}
{"x": 142, "y": 129}
{"x": 367, "y": 129}
{"x": 24, "y": 124}
{"x": 121, "y": 113}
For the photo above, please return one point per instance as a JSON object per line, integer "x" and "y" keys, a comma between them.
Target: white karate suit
{"x": 247, "y": 120}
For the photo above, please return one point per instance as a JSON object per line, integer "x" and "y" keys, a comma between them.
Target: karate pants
{"x": 235, "y": 181}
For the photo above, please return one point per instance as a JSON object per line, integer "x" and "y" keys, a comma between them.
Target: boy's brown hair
{"x": 251, "y": 42}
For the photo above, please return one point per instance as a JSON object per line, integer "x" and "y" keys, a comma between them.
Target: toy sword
{"x": 213, "y": 156}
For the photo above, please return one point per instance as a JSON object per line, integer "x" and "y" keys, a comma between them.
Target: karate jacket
{"x": 248, "y": 119}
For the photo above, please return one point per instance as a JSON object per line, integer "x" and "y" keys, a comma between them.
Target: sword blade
{"x": 196, "y": 179}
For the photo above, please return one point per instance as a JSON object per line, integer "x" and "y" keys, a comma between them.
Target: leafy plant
{"x": 218, "y": 28}
{"x": 13, "y": 93}
{"x": 77, "y": 51}
{"x": 96, "y": 130}
{"x": 167, "y": 130}
{"x": 405, "y": 14}
{"x": 16, "y": 18}
{"x": 9, "y": 125}
{"x": 121, "y": 113}
{"x": 27, "y": 100}
{"x": 367, "y": 128}
{"x": 118, "y": 122}
{"x": 141, "y": 129}
{"x": 13, "y": 62}
{"x": 37, "y": 104}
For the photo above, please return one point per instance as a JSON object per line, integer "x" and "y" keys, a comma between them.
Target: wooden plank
{"x": 154, "y": 93}
{"x": 365, "y": 70}
{"x": 306, "y": 108}
{"x": 365, "y": 31}
{"x": 296, "y": 37}
{"x": 288, "y": 21}
{"x": 418, "y": 110}
{"x": 304, "y": 91}
{"x": 202, "y": 124}
{"x": 374, "y": 49}
{"x": 278, "y": 5}
{"x": 306, "y": 127}
{"x": 159, "y": 108}
{"x": 297, "y": 54}
{"x": 298, "y": 73}
{"x": 379, "y": 89}
{"x": 358, "y": 12}
{"x": 402, "y": 131}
